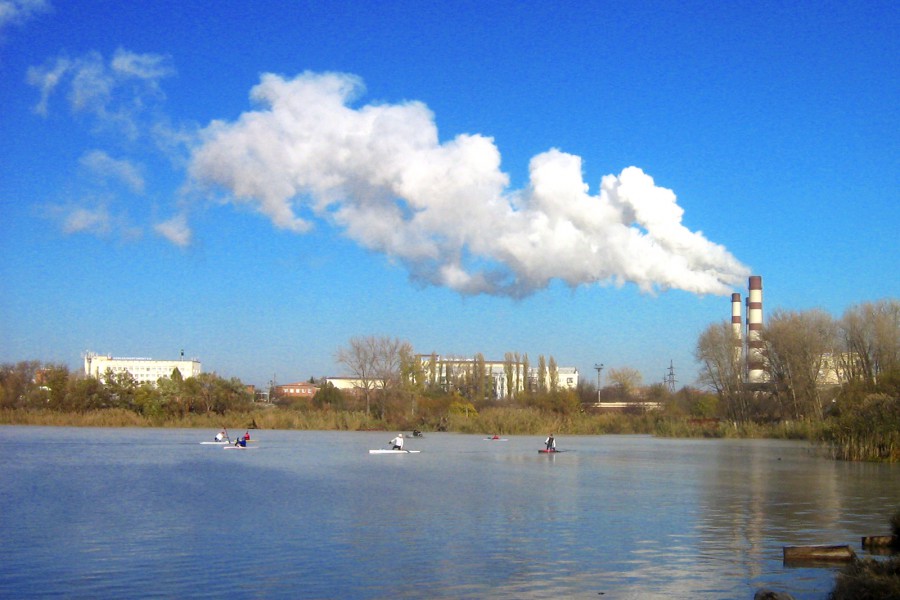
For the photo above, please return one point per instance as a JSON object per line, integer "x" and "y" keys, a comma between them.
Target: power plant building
{"x": 144, "y": 370}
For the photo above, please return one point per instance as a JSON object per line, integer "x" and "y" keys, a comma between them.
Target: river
{"x": 152, "y": 513}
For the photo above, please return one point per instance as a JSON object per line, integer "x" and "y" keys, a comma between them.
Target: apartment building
{"x": 144, "y": 370}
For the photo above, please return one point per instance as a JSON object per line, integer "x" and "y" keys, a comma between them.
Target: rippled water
{"x": 136, "y": 513}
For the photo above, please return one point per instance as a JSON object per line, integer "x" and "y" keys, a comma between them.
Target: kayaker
{"x": 551, "y": 443}
{"x": 220, "y": 436}
{"x": 247, "y": 436}
{"x": 397, "y": 442}
{"x": 241, "y": 442}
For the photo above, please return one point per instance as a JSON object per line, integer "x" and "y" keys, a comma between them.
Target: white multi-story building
{"x": 144, "y": 370}
{"x": 447, "y": 369}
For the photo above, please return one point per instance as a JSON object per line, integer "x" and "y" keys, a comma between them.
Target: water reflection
{"x": 138, "y": 513}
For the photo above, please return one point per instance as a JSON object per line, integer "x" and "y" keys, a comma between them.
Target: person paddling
{"x": 397, "y": 442}
{"x": 550, "y": 443}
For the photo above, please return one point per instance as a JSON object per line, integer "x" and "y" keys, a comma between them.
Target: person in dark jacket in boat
{"x": 550, "y": 443}
{"x": 240, "y": 442}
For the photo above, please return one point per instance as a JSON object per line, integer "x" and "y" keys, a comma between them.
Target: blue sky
{"x": 257, "y": 182}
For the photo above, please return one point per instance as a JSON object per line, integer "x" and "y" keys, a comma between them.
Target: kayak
{"x": 233, "y": 447}
{"x": 550, "y": 451}
{"x": 497, "y": 439}
{"x": 394, "y": 451}
{"x": 222, "y": 443}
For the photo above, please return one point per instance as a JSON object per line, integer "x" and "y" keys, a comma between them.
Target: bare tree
{"x": 359, "y": 359}
{"x": 721, "y": 368}
{"x": 797, "y": 347}
{"x": 509, "y": 373}
{"x": 871, "y": 336}
{"x": 390, "y": 356}
{"x": 376, "y": 364}
{"x": 628, "y": 380}
{"x": 553, "y": 373}
{"x": 542, "y": 374}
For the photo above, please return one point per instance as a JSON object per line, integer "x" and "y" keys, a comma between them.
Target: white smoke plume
{"x": 445, "y": 210}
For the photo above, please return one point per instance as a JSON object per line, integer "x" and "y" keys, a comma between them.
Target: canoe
{"x": 217, "y": 443}
{"x": 394, "y": 451}
{"x": 545, "y": 451}
{"x": 233, "y": 447}
{"x": 497, "y": 439}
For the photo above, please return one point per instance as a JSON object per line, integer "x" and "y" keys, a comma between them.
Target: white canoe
{"x": 222, "y": 443}
{"x": 394, "y": 451}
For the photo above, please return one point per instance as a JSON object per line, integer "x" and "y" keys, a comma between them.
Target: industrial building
{"x": 144, "y": 370}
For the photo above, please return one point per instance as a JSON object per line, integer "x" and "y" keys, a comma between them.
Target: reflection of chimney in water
{"x": 755, "y": 363}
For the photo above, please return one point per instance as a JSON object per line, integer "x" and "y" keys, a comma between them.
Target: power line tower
{"x": 669, "y": 379}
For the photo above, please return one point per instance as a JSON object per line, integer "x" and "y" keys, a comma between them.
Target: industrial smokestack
{"x": 736, "y": 326}
{"x": 755, "y": 363}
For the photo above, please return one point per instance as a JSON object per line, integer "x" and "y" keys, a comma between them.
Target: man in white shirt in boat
{"x": 220, "y": 436}
{"x": 550, "y": 443}
{"x": 397, "y": 442}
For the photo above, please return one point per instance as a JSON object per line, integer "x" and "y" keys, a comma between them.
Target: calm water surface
{"x": 137, "y": 513}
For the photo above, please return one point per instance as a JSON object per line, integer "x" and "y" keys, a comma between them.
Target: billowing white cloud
{"x": 444, "y": 209}
{"x": 103, "y": 165}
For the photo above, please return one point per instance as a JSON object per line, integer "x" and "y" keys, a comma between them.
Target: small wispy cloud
{"x": 108, "y": 168}
{"x": 122, "y": 97}
{"x": 176, "y": 230}
{"x": 17, "y": 12}
{"x": 95, "y": 220}
{"x": 116, "y": 92}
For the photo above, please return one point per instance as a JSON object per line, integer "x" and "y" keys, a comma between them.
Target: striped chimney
{"x": 756, "y": 372}
{"x": 736, "y": 327}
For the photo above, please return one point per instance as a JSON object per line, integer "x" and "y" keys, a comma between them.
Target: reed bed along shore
{"x": 507, "y": 421}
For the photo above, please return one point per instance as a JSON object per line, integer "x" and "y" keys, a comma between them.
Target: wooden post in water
{"x": 818, "y": 554}
{"x": 880, "y": 541}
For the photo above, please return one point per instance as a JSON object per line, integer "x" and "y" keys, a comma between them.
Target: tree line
{"x": 840, "y": 376}
{"x": 815, "y": 363}
{"x": 32, "y": 385}
{"x": 843, "y": 374}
